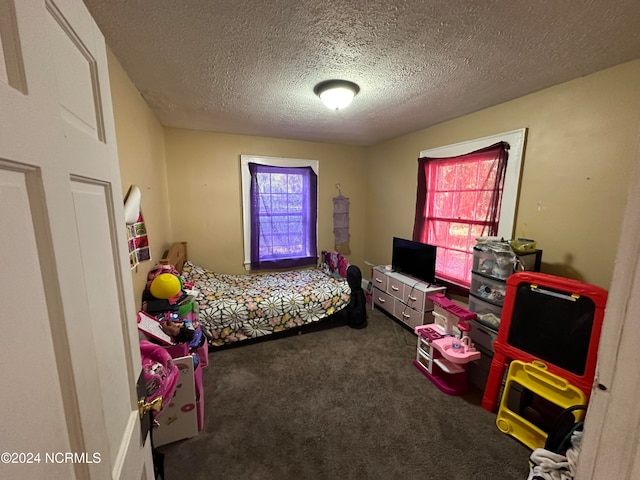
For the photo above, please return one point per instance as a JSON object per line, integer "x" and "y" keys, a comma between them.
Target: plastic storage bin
{"x": 482, "y": 335}
{"x": 478, "y": 370}
{"x": 495, "y": 263}
{"x": 488, "y": 288}
{"x": 488, "y": 313}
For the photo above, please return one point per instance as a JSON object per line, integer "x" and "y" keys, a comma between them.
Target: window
{"x": 279, "y": 211}
{"x": 462, "y": 196}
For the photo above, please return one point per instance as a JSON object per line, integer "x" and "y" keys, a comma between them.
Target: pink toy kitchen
{"x": 444, "y": 346}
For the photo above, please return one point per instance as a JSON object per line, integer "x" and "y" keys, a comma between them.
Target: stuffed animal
{"x": 159, "y": 373}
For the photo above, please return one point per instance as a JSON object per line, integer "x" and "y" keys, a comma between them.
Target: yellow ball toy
{"x": 165, "y": 286}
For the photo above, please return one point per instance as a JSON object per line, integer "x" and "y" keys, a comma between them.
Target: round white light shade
{"x": 336, "y": 94}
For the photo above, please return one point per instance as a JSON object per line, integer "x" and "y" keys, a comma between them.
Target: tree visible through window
{"x": 283, "y": 216}
{"x": 459, "y": 200}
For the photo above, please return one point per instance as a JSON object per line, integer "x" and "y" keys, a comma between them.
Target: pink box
{"x": 203, "y": 354}
{"x": 197, "y": 376}
{"x": 179, "y": 419}
{"x": 200, "y": 413}
{"x": 179, "y": 350}
{"x": 199, "y": 398}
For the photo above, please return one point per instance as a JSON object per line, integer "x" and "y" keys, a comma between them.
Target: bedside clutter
{"x": 169, "y": 318}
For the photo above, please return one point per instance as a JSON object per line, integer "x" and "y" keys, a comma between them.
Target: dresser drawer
{"x": 488, "y": 288}
{"x": 414, "y": 297}
{"x": 383, "y": 300}
{"x": 498, "y": 264}
{"x": 488, "y": 313}
{"x": 379, "y": 280}
{"x": 395, "y": 287}
{"x": 408, "y": 315}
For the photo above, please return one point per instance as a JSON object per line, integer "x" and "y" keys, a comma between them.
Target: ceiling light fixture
{"x": 336, "y": 94}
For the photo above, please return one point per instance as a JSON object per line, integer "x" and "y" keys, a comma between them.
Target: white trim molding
{"x": 516, "y": 140}
{"x": 246, "y": 190}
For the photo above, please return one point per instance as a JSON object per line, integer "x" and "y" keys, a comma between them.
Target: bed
{"x": 239, "y": 308}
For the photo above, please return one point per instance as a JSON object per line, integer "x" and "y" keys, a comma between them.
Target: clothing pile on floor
{"x": 548, "y": 465}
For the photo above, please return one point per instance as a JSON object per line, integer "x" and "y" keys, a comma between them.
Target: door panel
{"x": 94, "y": 223}
{"x": 72, "y": 361}
{"x": 76, "y": 75}
{"x": 11, "y": 65}
{"x": 26, "y": 348}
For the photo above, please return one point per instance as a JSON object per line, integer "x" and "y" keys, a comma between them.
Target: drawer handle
{"x": 406, "y": 315}
{"x": 378, "y": 280}
{"x": 413, "y": 299}
{"x": 381, "y": 300}
{"x": 393, "y": 287}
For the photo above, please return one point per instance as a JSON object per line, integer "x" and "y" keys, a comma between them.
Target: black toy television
{"x": 415, "y": 259}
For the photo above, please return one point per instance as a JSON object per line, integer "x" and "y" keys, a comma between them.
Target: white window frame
{"x": 246, "y": 191}
{"x": 511, "y": 190}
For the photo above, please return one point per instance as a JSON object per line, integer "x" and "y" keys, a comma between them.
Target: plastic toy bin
{"x": 489, "y": 262}
{"x": 488, "y": 313}
{"x": 488, "y": 288}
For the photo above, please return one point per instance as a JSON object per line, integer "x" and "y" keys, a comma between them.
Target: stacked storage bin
{"x": 493, "y": 262}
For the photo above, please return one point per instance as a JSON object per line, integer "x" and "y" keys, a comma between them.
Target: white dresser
{"x": 403, "y": 297}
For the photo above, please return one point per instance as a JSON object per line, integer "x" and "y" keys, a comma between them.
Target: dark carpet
{"x": 339, "y": 404}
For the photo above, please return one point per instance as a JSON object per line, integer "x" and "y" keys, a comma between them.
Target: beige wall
{"x": 205, "y": 191}
{"x": 582, "y": 137}
{"x": 141, "y": 153}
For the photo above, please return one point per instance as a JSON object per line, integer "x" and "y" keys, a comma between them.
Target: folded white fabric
{"x": 572, "y": 453}
{"x": 549, "y": 466}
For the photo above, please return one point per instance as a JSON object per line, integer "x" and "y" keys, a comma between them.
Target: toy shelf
{"x": 448, "y": 367}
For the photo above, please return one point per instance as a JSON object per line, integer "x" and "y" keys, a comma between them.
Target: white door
{"x": 68, "y": 344}
{"x": 611, "y": 443}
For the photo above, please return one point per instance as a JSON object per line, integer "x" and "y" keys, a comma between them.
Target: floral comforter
{"x": 239, "y": 307}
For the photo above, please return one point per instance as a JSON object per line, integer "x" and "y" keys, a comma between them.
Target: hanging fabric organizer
{"x": 341, "y": 223}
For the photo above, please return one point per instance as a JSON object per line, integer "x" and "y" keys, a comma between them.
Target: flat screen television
{"x": 415, "y": 259}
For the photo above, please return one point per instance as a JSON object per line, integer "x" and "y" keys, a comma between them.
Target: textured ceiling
{"x": 249, "y": 66}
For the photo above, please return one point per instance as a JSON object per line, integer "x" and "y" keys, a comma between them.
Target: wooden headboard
{"x": 176, "y": 255}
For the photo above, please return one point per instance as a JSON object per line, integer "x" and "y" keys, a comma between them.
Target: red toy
{"x": 553, "y": 320}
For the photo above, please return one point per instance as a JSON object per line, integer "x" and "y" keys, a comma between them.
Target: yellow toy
{"x": 537, "y": 379}
{"x": 165, "y": 286}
